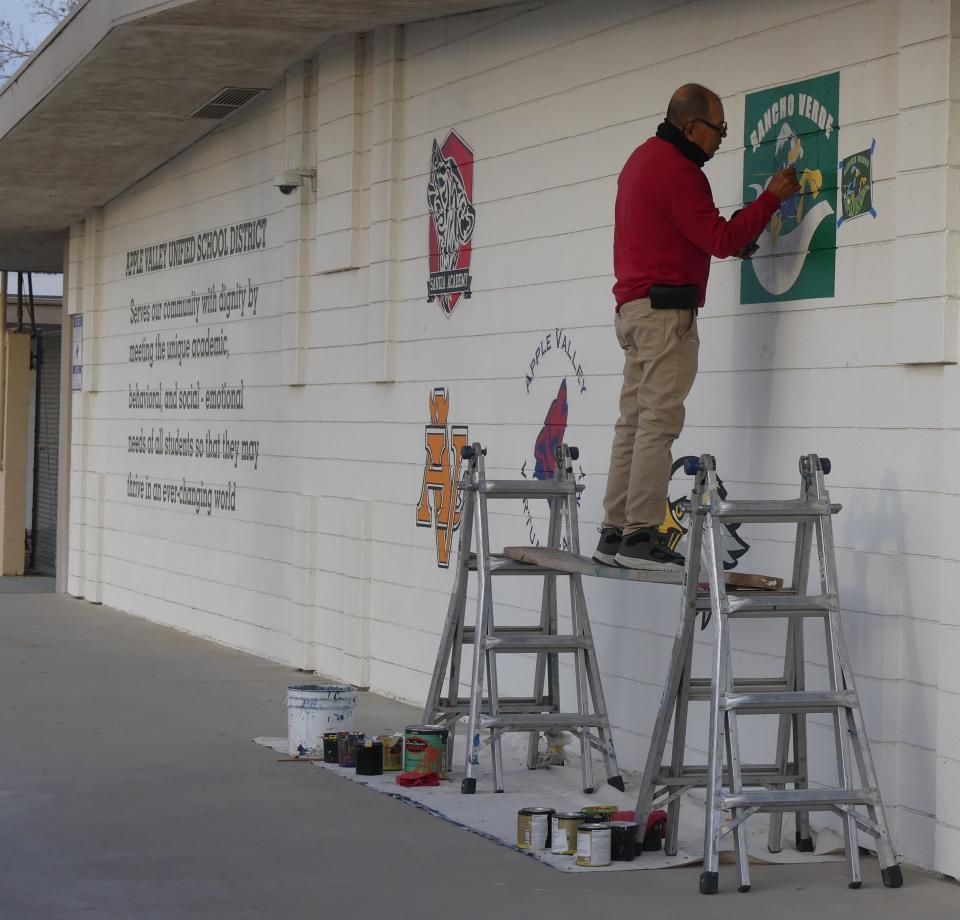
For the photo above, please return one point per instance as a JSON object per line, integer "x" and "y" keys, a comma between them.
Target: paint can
{"x": 392, "y": 752}
{"x": 347, "y": 748}
{"x": 369, "y": 757}
{"x": 313, "y": 709}
{"x": 330, "y": 747}
{"x": 533, "y": 828}
{"x": 563, "y": 832}
{"x": 623, "y": 840}
{"x": 425, "y": 749}
{"x": 598, "y": 814}
{"x": 593, "y": 845}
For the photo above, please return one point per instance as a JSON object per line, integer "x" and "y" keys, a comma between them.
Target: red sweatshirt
{"x": 667, "y": 226}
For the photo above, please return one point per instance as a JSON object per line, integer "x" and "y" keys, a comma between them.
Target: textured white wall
{"x": 321, "y": 565}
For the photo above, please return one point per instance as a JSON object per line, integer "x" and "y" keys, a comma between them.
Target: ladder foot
{"x": 709, "y": 882}
{"x": 855, "y": 885}
{"x": 588, "y": 790}
{"x": 616, "y": 782}
{"x": 892, "y": 877}
{"x": 770, "y": 849}
{"x": 804, "y": 844}
{"x": 743, "y": 889}
{"x": 468, "y": 786}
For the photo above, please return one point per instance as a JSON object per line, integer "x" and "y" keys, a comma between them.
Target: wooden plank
{"x": 572, "y": 564}
{"x": 581, "y": 565}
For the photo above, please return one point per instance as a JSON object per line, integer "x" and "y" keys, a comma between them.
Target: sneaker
{"x": 646, "y": 549}
{"x": 609, "y": 546}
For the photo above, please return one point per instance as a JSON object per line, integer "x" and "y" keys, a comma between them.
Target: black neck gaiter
{"x": 673, "y": 135}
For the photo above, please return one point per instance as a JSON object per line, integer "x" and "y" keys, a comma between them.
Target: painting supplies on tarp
{"x": 534, "y": 828}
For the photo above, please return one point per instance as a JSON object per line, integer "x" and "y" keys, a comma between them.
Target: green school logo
{"x": 794, "y": 125}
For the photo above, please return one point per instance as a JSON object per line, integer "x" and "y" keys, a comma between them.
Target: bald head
{"x": 689, "y": 102}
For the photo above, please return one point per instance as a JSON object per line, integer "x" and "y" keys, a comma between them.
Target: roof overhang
{"x": 107, "y": 97}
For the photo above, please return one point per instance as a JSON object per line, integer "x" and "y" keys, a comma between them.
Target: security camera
{"x": 289, "y": 180}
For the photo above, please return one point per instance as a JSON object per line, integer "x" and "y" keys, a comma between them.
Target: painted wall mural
{"x": 440, "y": 503}
{"x": 793, "y": 125}
{"x": 452, "y": 221}
{"x": 856, "y": 185}
{"x": 553, "y": 359}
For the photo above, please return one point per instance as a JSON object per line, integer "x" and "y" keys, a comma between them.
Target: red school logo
{"x": 452, "y": 220}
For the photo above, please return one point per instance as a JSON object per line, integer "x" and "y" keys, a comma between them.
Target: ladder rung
{"x": 536, "y": 643}
{"x": 806, "y": 799}
{"x": 797, "y": 701}
{"x": 542, "y": 720}
{"x": 700, "y": 686}
{"x": 773, "y": 512}
{"x": 781, "y": 604}
{"x": 506, "y": 632}
{"x": 751, "y": 775}
{"x": 506, "y": 704}
{"x": 524, "y": 488}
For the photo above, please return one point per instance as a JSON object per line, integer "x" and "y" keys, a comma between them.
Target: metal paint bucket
{"x": 369, "y": 757}
{"x": 563, "y": 832}
{"x": 313, "y": 709}
{"x": 533, "y": 828}
{"x": 331, "y": 748}
{"x": 347, "y": 748}
{"x": 425, "y": 749}
{"x": 623, "y": 840}
{"x": 597, "y": 814}
{"x": 392, "y": 752}
{"x": 593, "y": 845}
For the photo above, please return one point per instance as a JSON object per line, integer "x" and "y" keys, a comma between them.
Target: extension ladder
{"x": 729, "y": 696}
{"x": 542, "y": 710}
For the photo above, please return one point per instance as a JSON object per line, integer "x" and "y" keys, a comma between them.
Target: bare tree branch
{"x": 51, "y": 10}
{"x": 14, "y": 46}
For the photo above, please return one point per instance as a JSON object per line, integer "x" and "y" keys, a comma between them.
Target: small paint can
{"x": 330, "y": 748}
{"x": 593, "y": 845}
{"x": 392, "y": 752}
{"x": 596, "y": 814}
{"x": 425, "y": 749}
{"x": 347, "y": 748}
{"x": 563, "y": 832}
{"x": 533, "y": 828}
{"x": 623, "y": 840}
{"x": 369, "y": 757}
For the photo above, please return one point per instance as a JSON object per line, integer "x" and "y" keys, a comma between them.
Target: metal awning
{"x": 108, "y": 96}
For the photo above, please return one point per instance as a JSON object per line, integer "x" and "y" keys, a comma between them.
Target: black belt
{"x": 674, "y": 296}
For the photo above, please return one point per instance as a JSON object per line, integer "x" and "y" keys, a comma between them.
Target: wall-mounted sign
{"x": 440, "y": 502}
{"x": 76, "y": 353}
{"x": 794, "y": 125}
{"x": 856, "y": 185}
{"x": 452, "y": 219}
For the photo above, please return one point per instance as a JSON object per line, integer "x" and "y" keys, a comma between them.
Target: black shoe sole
{"x": 647, "y": 565}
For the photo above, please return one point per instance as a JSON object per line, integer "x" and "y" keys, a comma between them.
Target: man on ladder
{"x": 666, "y": 230}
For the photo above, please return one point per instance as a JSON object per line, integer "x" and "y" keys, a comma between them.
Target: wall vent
{"x": 226, "y": 102}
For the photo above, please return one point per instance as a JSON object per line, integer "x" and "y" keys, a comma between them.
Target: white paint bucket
{"x": 313, "y": 709}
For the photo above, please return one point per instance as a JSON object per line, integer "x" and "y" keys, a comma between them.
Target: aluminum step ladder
{"x": 542, "y": 710}
{"x": 729, "y": 697}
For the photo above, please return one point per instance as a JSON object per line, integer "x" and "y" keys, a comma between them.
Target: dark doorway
{"x": 43, "y": 544}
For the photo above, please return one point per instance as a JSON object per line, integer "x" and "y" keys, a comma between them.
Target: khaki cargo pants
{"x": 660, "y": 363}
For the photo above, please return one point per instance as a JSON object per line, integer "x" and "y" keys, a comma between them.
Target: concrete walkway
{"x": 130, "y": 788}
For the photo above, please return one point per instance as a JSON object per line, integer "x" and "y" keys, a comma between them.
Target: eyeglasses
{"x": 721, "y": 128}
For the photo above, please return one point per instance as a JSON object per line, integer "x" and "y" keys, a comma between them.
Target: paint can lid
{"x": 536, "y": 810}
{"x": 570, "y": 816}
{"x": 594, "y": 827}
{"x": 428, "y": 729}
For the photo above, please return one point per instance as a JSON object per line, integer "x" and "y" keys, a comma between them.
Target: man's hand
{"x": 784, "y": 183}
